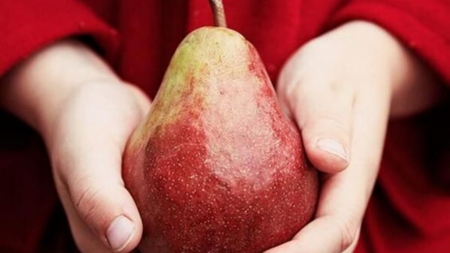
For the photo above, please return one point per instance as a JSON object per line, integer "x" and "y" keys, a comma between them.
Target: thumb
{"x": 97, "y": 203}
{"x": 326, "y": 129}
{"x": 86, "y": 149}
{"x": 323, "y": 111}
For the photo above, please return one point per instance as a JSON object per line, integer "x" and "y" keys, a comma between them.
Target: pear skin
{"x": 217, "y": 167}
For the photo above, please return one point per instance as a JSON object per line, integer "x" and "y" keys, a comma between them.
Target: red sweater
{"x": 410, "y": 209}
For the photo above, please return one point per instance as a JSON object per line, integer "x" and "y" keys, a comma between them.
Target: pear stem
{"x": 218, "y": 12}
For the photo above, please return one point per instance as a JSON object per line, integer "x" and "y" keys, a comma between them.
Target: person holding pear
{"x": 364, "y": 81}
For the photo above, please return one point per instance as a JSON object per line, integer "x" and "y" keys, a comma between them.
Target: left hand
{"x": 341, "y": 89}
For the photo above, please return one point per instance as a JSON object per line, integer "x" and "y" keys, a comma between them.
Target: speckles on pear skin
{"x": 222, "y": 170}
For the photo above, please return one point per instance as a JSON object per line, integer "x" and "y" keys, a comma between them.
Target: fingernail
{"x": 120, "y": 232}
{"x": 332, "y": 146}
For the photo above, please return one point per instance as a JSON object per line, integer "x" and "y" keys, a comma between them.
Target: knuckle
{"x": 347, "y": 237}
{"x": 331, "y": 124}
{"x": 86, "y": 202}
{"x": 293, "y": 89}
{"x": 332, "y": 120}
{"x": 348, "y": 232}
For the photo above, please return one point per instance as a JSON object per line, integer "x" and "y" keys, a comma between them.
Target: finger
{"x": 331, "y": 231}
{"x": 335, "y": 229}
{"x": 98, "y": 197}
{"x": 352, "y": 246}
{"x": 338, "y": 219}
{"x": 344, "y": 195}
{"x": 323, "y": 110}
{"x": 86, "y": 239}
{"x": 87, "y": 164}
{"x": 141, "y": 98}
{"x": 326, "y": 129}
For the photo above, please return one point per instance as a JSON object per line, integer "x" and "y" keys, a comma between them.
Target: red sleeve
{"x": 26, "y": 26}
{"x": 422, "y": 25}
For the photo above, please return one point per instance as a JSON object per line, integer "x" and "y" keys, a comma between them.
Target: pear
{"x": 216, "y": 166}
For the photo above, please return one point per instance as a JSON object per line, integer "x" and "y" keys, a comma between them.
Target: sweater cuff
{"x": 27, "y": 26}
{"x": 430, "y": 46}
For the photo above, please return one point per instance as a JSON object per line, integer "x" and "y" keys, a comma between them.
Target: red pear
{"x": 217, "y": 167}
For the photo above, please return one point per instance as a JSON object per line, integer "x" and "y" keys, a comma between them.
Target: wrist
{"x": 36, "y": 89}
{"x": 412, "y": 85}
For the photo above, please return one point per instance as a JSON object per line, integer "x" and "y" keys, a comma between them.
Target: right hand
{"x": 86, "y": 144}
{"x": 85, "y": 115}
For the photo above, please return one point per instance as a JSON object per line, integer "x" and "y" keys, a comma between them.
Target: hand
{"x": 85, "y": 115}
{"x": 341, "y": 89}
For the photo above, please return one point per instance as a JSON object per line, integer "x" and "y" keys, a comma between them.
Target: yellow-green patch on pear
{"x": 193, "y": 69}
